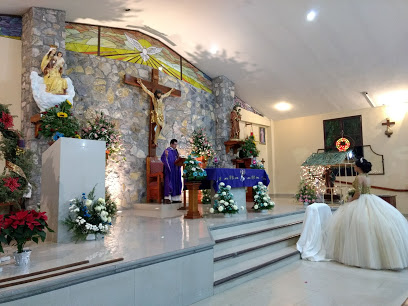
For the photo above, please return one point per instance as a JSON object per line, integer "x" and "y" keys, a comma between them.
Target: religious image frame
{"x": 262, "y": 135}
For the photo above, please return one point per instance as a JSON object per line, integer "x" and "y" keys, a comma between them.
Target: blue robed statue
{"x": 172, "y": 174}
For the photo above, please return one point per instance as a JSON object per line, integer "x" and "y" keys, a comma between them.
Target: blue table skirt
{"x": 237, "y": 177}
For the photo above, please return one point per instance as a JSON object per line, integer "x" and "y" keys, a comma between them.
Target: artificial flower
{"x": 62, "y": 115}
{"x": 11, "y": 183}
{"x": 211, "y": 210}
{"x": 88, "y": 202}
{"x": 7, "y": 120}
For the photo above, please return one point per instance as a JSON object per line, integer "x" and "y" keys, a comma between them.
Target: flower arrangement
{"x": 102, "y": 128}
{"x": 214, "y": 162}
{"x": 58, "y": 121}
{"x": 88, "y": 216}
{"x": 14, "y": 183}
{"x": 200, "y": 146}
{"x": 307, "y": 194}
{"x": 110, "y": 204}
{"x": 6, "y": 120}
{"x": 224, "y": 201}
{"x": 23, "y": 226}
{"x": 248, "y": 149}
{"x": 206, "y": 196}
{"x": 262, "y": 200}
{"x": 257, "y": 165}
{"x": 192, "y": 170}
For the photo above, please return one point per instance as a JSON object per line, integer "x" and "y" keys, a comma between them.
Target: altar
{"x": 238, "y": 179}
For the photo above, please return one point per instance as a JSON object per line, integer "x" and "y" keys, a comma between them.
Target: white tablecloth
{"x": 311, "y": 242}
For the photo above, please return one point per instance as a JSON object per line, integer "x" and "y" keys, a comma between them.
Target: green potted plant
{"x": 248, "y": 150}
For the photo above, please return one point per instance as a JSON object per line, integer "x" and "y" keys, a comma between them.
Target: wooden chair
{"x": 154, "y": 174}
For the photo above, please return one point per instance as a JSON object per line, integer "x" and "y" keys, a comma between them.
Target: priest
{"x": 172, "y": 174}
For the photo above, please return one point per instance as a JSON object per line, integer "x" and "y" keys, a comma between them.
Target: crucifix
{"x": 388, "y": 131}
{"x": 156, "y": 119}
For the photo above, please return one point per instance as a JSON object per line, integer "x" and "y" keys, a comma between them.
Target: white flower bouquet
{"x": 89, "y": 216}
{"x": 224, "y": 201}
{"x": 262, "y": 200}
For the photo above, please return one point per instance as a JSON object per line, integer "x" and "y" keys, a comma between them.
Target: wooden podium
{"x": 180, "y": 161}
{"x": 193, "y": 212}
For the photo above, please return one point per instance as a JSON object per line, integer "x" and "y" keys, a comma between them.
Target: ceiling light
{"x": 283, "y": 106}
{"x": 214, "y": 49}
{"x": 311, "y": 15}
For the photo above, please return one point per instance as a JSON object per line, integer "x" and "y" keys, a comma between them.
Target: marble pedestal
{"x": 70, "y": 167}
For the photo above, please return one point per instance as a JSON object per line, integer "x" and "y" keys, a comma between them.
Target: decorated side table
{"x": 238, "y": 179}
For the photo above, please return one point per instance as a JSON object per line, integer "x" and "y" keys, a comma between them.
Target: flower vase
{"x": 91, "y": 237}
{"x": 227, "y": 215}
{"x": 264, "y": 211}
{"x": 23, "y": 258}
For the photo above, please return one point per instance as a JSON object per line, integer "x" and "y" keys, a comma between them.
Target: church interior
{"x": 197, "y": 152}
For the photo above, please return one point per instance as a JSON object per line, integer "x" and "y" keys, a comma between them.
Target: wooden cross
{"x": 388, "y": 131}
{"x": 152, "y": 85}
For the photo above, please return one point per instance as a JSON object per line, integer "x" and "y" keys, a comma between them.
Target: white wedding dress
{"x": 368, "y": 232}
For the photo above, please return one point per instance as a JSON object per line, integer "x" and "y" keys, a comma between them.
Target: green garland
{"x": 13, "y": 184}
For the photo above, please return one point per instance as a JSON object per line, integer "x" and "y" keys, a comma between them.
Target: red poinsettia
{"x": 11, "y": 183}
{"x": 7, "y": 120}
{"x": 23, "y": 226}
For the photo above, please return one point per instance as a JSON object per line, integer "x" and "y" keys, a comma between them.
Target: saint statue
{"x": 52, "y": 66}
{"x": 235, "y": 117}
{"x": 157, "y": 114}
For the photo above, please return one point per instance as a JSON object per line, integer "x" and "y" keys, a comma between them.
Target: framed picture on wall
{"x": 262, "y": 135}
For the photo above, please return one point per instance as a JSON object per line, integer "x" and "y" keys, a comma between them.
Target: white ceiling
{"x": 269, "y": 49}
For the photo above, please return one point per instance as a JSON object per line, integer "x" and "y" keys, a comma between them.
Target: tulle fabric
{"x": 368, "y": 233}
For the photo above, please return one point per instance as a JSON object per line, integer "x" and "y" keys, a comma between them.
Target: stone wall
{"x": 99, "y": 86}
{"x": 41, "y": 28}
{"x": 224, "y": 91}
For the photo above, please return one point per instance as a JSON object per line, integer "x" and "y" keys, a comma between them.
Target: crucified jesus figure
{"x": 157, "y": 114}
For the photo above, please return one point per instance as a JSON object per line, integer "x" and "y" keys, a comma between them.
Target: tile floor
{"x": 318, "y": 283}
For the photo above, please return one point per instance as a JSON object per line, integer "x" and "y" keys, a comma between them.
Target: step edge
{"x": 257, "y": 232}
{"x": 266, "y": 218}
{"x": 253, "y": 269}
{"x": 244, "y": 251}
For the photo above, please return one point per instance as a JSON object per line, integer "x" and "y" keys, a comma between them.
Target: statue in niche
{"x": 52, "y": 88}
{"x": 235, "y": 117}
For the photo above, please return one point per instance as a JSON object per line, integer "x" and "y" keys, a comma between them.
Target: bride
{"x": 367, "y": 232}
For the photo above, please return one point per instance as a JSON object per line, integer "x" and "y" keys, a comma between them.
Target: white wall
{"x": 265, "y": 150}
{"x": 10, "y": 79}
{"x": 296, "y": 139}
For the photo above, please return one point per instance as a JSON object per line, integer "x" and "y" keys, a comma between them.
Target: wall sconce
{"x": 388, "y": 131}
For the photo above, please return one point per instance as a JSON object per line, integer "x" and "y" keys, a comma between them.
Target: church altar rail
{"x": 236, "y": 178}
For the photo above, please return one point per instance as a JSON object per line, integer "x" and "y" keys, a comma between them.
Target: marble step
{"x": 234, "y": 255}
{"x": 226, "y": 230}
{"x": 237, "y": 238}
{"x": 246, "y": 270}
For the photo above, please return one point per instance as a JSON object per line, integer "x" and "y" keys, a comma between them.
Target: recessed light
{"x": 311, "y": 15}
{"x": 214, "y": 49}
{"x": 283, "y": 106}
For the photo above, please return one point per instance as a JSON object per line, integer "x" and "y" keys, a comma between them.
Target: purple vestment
{"x": 172, "y": 173}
